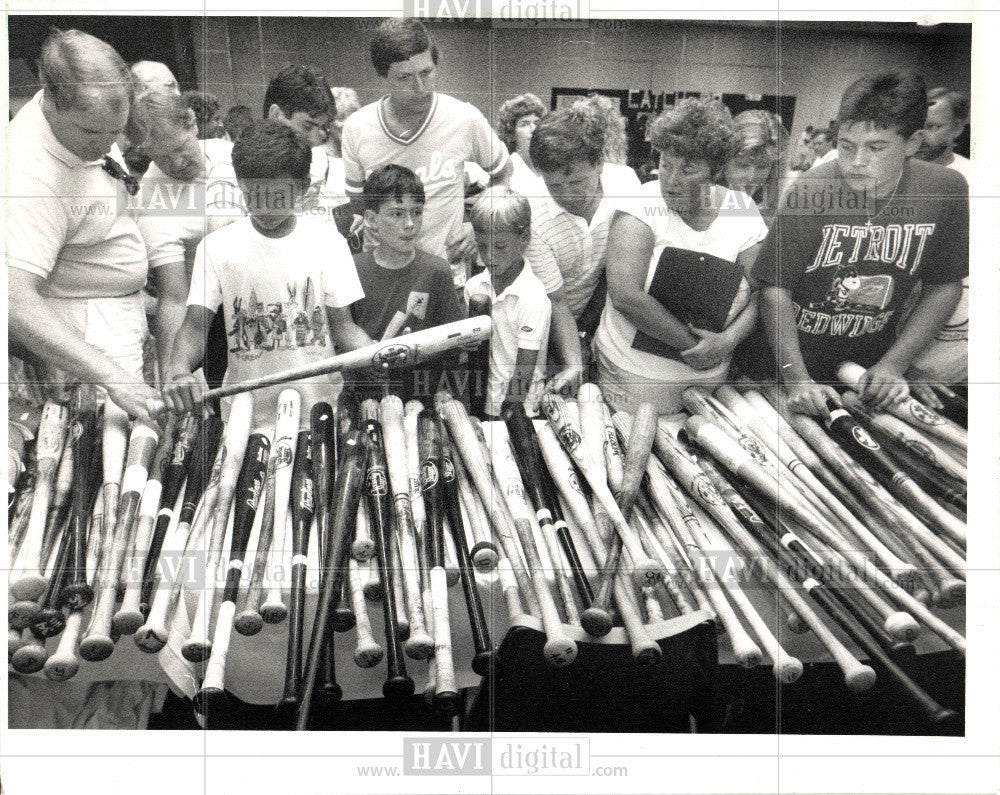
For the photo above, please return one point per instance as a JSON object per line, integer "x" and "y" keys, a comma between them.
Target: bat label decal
{"x": 861, "y": 437}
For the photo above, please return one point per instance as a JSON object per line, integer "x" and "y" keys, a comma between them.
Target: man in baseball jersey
{"x": 433, "y": 134}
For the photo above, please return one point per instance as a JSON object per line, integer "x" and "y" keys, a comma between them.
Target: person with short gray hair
{"x": 76, "y": 260}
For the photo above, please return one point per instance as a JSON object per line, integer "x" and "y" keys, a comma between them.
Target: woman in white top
{"x": 679, "y": 298}
{"x": 516, "y": 122}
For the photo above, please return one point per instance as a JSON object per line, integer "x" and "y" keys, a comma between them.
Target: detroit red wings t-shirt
{"x": 849, "y": 263}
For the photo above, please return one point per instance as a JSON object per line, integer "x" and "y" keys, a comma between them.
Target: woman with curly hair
{"x": 615, "y": 140}
{"x": 516, "y": 122}
{"x": 679, "y": 298}
{"x": 759, "y": 165}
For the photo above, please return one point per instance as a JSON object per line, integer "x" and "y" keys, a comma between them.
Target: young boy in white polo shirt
{"x": 520, "y": 308}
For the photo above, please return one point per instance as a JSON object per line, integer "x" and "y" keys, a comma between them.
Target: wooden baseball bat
{"x": 398, "y": 684}
{"x": 429, "y": 447}
{"x": 98, "y": 644}
{"x": 869, "y": 453}
{"x": 485, "y": 554}
{"x": 560, "y": 649}
{"x": 912, "y": 411}
{"x": 407, "y": 350}
{"x": 77, "y": 593}
{"x": 203, "y": 470}
{"x": 479, "y": 359}
{"x": 419, "y": 645}
{"x": 27, "y": 581}
{"x": 198, "y": 646}
{"x": 646, "y": 571}
{"x": 304, "y": 506}
{"x": 484, "y": 655}
{"x": 286, "y": 429}
{"x": 769, "y": 428}
{"x": 129, "y": 617}
{"x": 246, "y": 498}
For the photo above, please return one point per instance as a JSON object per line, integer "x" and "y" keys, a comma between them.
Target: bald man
{"x": 76, "y": 260}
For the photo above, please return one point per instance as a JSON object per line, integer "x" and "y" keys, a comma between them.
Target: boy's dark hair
{"x": 238, "y": 118}
{"x": 300, "y": 88}
{"x": 399, "y": 40}
{"x": 564, "y": 136}
{"x": 391, "y": 182}
{"x": 271, "y": 150}
{"x": 206, "y": 113}
{"x": 891, "y": 100}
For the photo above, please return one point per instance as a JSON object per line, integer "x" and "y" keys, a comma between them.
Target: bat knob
{"x": 76, "y": 596}
{"x": 362, "y": 550}
{"x": 860, "y": 679}
{"x": 796, "y": 624}
{"x": 485, "y": 556}
{"x": 952, "y": 593}
{"x": 647, "y": 572}
{"x": 903, "y": 651}
{"x": 368, "y": 655}
{"x": 196, "y": 650}
{"x": 59, "y": 669}
{"x": 397, "y": 688}
{"x": 95, "y": 648}
{"x": 483, "y": 662}
{"x": 419, "y": 646}
{"x": 559, "y": 652}
{"x": 402, "y": 629}
{"x": 452, "y": 575}
{"x": 646, "y": 652}
{"x": 947, "y": 720}
{"x": 273, "y": 612}
{"x": 331, "y": 692}
{"x": 596, "y": 622}
{"x": 29, "y": 659}
{"x": 249, "y": 622}
{"x": 48, "y": 623}
{"x": 22, "y": 613}
{"x": 902, "y": 626}
{"x": 447, "y": 702}
{"x": 28, "y": 588}
{"x": 787, "y": 669}
{"x": 208, "y": 700}
{"x": 127, "y": 621}
{"x": 342, "y": 619}
{"x": 150, "y": 639}
{"x": 747, "y": 653}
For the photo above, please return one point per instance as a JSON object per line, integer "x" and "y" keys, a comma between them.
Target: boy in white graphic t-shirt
{"x": 284, "y": 282}
{"x": 520, "y": 309}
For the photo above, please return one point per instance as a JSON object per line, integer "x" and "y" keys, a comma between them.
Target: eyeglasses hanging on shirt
{"x": 114, "y": 168}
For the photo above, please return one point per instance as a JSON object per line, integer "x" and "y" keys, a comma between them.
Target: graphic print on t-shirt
{"x": 294, "y": 322}
{"x": 852, "y": 292}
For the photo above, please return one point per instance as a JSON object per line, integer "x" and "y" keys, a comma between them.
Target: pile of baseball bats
{"x": 584, "y": 521}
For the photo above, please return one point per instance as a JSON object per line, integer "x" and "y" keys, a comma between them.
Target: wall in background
{"x": 487, "y": 66}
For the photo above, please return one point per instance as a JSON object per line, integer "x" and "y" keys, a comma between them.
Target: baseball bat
{"x": 407, "y": 350}
{"x": 129, "y": 617}
{"x": 304, "y": 506}
{"x": 646, "y": 571}
{"x": 345, "y": 500}
{"x": 200, "y": 477}
{"x": 542, "y": 491}
{"x": 429, "y": 448}
{"x": 559, "y": 649}
{"x": 246, "y": 498}
{"x": 77, "y": 593}
{"x": 912, "y": 411}
{"x": 419, "y": 645}
{"x": 49, "y": 621}
{"x": 863, "y": 448}
{"x": 286, "y": 428}
{"x": 27, "y": 582}
{"x": 485, "y": 654}
{"x": 198, "y": 646}
{"x": 98, "y": 644}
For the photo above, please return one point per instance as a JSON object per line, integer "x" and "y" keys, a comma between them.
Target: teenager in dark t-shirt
{"x": 851, "y": 239}
{"x": 406, "y": 289}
